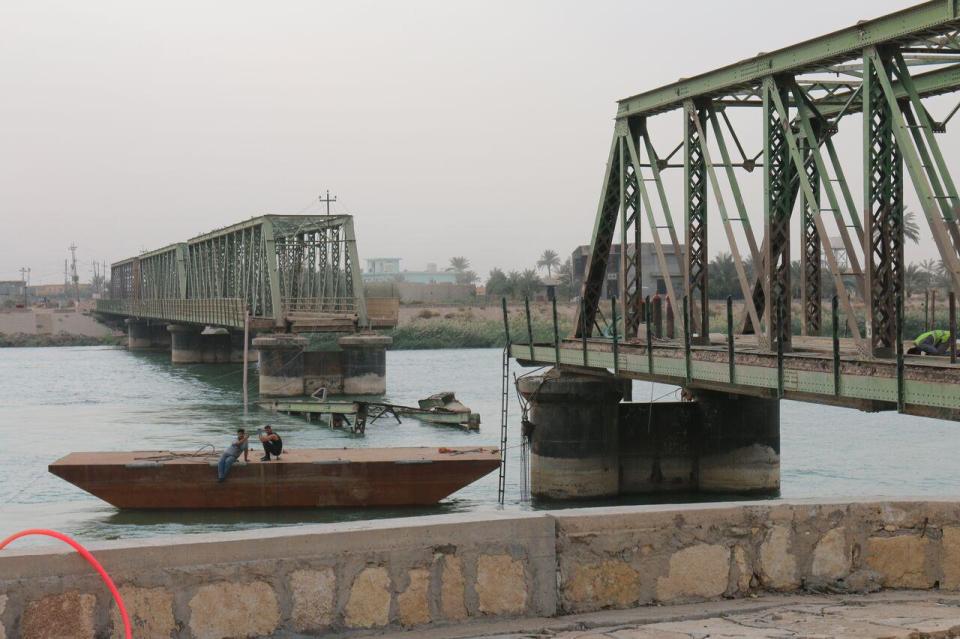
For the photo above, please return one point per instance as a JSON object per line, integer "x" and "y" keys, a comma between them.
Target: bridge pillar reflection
{"x": 586, "y": 443}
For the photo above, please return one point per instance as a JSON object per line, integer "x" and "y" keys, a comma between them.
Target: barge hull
{"x": 299, "y": 479}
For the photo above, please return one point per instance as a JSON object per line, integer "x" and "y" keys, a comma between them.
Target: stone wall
{"x": 364, "y": 577}
{"x": 308, "y": 579}
{"x": 623, "y": 557}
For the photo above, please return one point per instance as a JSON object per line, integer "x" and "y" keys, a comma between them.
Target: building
{"x": 387, "y": 269}
{"x": 652, "y": 280}
{"x": 382, "y": 269}
{"x": 11, "y": 291}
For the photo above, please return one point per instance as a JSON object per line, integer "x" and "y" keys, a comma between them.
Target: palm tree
{"x": 459, "y": 264}
{"x": 911, "y": 230}
{"x": 723, "y": 277}
{"x": 549, "y": 260}
{"x": 915, "y": 278}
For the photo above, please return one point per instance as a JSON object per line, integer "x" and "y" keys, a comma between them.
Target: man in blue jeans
{"x": 232, "y": 454}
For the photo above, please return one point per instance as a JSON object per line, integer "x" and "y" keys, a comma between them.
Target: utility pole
{"x": 25, "y": 278}
{"x": 327, "y": 200}
{"x": 66, "y": 281}
{"x": 73, "y": 273}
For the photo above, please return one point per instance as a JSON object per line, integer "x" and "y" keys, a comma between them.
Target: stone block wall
{"x": 618, "y": 558}
{"x": 362, "y": 578}
{"x": 303, "y": 580}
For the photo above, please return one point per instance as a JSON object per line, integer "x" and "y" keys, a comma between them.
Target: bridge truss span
{"x": 763, "y": 152}
{"x": 288, "y": 271}
{"x": 874, "y": 79}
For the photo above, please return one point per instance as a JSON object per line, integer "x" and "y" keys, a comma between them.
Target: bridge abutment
{"x": 585, "y": 443}
{"x": 281, "y": 364}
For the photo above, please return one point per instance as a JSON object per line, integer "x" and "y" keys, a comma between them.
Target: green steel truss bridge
{"x": 874, "y": 79}
{"x": 290, "y": 272}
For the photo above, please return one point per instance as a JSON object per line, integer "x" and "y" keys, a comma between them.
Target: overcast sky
{"x": 447, "y": 128}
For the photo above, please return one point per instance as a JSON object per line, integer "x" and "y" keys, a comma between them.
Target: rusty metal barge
{"x": 304, "y": 478}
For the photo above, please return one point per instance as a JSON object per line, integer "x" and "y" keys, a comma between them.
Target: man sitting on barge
{"x": 232, "y": 454}
{"x": 272, "y": 444}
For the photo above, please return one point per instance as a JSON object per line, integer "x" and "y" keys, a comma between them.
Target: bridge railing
{"x": 305, "y": 305}
{"x": 227, "y": 312}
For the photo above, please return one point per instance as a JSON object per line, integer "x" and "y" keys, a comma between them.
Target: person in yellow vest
{"x": 935, "y": 342}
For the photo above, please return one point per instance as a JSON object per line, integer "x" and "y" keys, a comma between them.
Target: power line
{"x": 327, "y": 200}
{"x": 73, "y": 268}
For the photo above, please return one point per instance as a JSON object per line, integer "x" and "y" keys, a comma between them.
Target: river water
{"x": 57, "y": 400}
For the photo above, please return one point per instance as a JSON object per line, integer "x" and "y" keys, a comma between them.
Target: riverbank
{"x": 25, "y": 340}
{"x": 441, "y": 571}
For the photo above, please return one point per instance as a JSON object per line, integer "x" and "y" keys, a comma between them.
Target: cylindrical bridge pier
{"x": 586, "y": 443}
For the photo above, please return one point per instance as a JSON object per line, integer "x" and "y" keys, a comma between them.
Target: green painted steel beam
{"x": 945, "y": 80}
{"x": 283, "y": 224}
{"x": 936, "y": 16}
{"x": 801, "y": 383}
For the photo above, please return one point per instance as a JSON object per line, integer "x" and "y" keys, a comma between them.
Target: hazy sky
{"x": 447, "y": 128}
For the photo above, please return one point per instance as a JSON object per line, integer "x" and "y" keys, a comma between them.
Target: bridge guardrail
{"x": 302, "y": 305}
{"x": 228, "y": 312}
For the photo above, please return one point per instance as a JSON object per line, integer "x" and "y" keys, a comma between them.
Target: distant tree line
{"x": 528, "y": 283}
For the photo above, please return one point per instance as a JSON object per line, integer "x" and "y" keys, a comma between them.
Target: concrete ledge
{"x": 442, "y": 570}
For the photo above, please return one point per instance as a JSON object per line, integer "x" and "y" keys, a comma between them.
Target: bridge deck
{"x": 928, "y": 386}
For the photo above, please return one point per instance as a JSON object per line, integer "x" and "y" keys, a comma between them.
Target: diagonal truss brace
{"x": 638, "y": 128}
{"x": 921, "y": 183}
{"x": 692, "y": 114}
{"x": 807, "y": 188}
{"x": 604, "y": 228}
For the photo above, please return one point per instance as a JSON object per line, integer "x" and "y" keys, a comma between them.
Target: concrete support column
{"x": 216, "y": 346}
{"x": 323, "y": 369}
{"x": 236, "y": 348}
{"x": 185, "y": 345}
{"x": 364, "y": 363}
{"x": 738, "y": 442}
{"x": 574, "y": 452}
{"x": 281, "y": 364}
{"x": 160, "y": 336}
{"x": 139, "y": 335}
{"x": 658, "y": 450}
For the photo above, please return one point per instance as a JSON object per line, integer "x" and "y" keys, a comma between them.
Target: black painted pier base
{"x": 587, "y": 443}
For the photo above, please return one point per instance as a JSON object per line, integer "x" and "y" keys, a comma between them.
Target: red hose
{"x": 90, "y": 559}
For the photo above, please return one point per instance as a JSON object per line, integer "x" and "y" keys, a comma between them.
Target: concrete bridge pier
{"x": 185, "y": 345}
{"x": 138, "y": 335}
{"x": 574, "y": 445}
{"x": 586, "y": 443}
{"x": 281, "y": 364}
{"x": 142, "y": 335}
{"x": 364, "y": 363}
{"x": 323, "y": 369}
{"x": 738, "y": 443}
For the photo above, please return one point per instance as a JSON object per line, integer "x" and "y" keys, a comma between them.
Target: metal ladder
{"x": 504, "y": 409}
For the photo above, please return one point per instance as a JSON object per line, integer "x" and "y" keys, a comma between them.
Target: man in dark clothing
{"x": 232, "y": 454}
{"x": 272, "y": 444}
